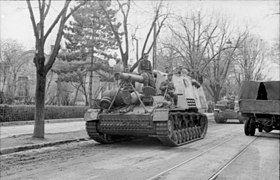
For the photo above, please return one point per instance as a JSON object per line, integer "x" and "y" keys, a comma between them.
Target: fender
{"x": 91, "y": 115}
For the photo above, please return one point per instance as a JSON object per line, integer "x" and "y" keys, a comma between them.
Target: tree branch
{"x": 157, "y": 33}
{"x": 33, "y": 20}
{"x": 64, "y": 9}
{"x": 58, "y": 39}
{"x": 116, "y": 34}
{"x": 151, "y": 28}
{"x": 48, "y": 8}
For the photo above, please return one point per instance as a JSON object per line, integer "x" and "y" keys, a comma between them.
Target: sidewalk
{"x": 14, "y": 138}
{"x": 10, "y": 131}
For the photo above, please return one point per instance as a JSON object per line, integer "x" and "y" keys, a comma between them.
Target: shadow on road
{"x": 272, "y": 135}
{"x": 136, "y": 143}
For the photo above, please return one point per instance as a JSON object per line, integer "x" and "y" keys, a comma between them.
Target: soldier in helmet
{"x": 168, "y": 89}
{"x": 145, "y": 69}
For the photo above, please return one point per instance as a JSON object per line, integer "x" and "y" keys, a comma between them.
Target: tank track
{"x": 91, "y": 128}
{"x": 182, "y": 128}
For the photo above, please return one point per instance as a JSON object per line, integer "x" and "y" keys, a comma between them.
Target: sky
{"x": 259, "y": 16}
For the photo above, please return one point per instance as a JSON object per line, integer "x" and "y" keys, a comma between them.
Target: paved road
{"x": 225, "y": 153}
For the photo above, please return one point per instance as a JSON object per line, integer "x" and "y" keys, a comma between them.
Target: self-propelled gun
{"x": 134, "y": 110}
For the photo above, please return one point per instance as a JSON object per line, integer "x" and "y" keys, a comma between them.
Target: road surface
{"x": 225, "y": 153}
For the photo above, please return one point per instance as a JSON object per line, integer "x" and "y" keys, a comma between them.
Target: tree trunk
{"x": 217, "y": 94}
{"x": 90, "y": 78}
{"x": 86, "y": 97}
{"x": 125, "y": 60}
{"x": 14, "y": 87}
{"x": 76, "y": 95}
{"x": 58, "y": 93}
{"x": 39, "y": 127}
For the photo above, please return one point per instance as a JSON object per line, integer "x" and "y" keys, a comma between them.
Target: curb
{"x": 37, "y": 146}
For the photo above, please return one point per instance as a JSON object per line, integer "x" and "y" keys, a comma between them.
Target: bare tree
{"x": 191, "y": 41}
{"x": 250, "y": 60}
{"x": 274, "y": 53}
{"x": 202, "y": 46}
{"x": 218, "y": 70}
{"x": 11, "y": 65}
{"x": 156, "y": 25}
{"x": 124, "y": 8}
{"x": 43, "y": 66}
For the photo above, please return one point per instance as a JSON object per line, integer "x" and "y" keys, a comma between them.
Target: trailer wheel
{"x": 246, "y": 127}
{"x": 252, "y": 126}
{"x": 260, "y": 128}
{"x": 249, "y": 127}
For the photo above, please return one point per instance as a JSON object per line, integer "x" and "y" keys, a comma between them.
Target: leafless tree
{"x": 156, "y": 26}
{"x": 43, "y": 67}
{"x": 124, "y": 8}
{"x": 191, "y": 41}
{"x": 274, "y": 53}
{"x": 250, "y": 60}
{"x": 219, "y": 68}
{"x": 11, "y": 64}
{"x": 202, "y": 43}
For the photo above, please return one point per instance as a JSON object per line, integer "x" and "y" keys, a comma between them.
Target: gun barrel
{"x": 129, "y": 76}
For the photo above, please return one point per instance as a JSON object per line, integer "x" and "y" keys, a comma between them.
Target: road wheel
{"x": 175, "y": 137}
{"x": 179, "y": 136}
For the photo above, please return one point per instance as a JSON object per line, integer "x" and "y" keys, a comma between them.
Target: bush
{"x": 26, "y": 112}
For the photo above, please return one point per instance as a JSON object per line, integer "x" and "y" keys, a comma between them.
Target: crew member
{"x": 145, "y": 69}
{"x": 167, "y": 87}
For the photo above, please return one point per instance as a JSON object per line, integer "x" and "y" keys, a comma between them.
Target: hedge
{"x": 26, "y": 112}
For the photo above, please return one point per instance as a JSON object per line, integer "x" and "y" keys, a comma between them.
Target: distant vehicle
{"x": 227, "y": 109}
{"x": 260, "y": 105}
{"x": 134, "y": 110}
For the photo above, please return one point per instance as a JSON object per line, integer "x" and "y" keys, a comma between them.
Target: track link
{"x": 181, "y": 128}
{"x": 92, "y": 130}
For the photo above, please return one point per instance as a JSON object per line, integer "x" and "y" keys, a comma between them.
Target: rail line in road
{"x": 214, "y": 176}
